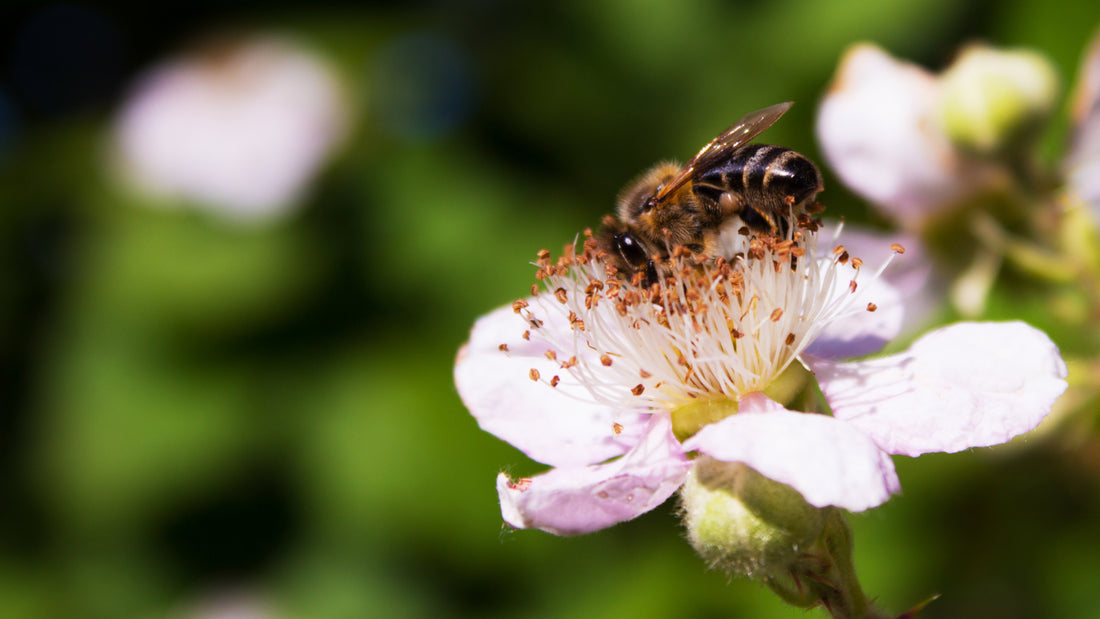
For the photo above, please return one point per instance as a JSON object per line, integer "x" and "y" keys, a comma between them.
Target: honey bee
{"x": 670, "y": 205}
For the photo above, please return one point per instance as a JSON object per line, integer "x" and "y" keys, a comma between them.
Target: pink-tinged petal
{"x": 826, "y": 460}
{"x": 878, "y": 129}
{"x": 559, "y": 426}
{"x": 240, "y": 131}
{"x": 1083, "y": 162}
{"x": 901, "y": 294}
{"x": 966, "y": 385}
{"x": 577, "y": 500}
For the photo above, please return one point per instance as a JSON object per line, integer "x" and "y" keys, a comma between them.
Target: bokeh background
{"x": 204, "y": 413}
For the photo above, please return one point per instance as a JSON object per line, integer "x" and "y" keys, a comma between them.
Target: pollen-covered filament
{"x": 711, "y": 328}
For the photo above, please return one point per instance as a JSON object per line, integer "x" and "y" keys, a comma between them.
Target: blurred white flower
{"x": 228, "y": 604}
{"x": 1083, "y": 162}
{"x": 239, "y": 130}
{"x": 880, "y": 130}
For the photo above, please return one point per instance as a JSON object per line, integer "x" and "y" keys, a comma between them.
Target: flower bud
{"x": 744, "y": 523}
{"x": 994, "y": 101}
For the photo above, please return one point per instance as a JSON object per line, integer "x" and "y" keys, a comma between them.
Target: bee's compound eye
{"x": 631, "y": 249}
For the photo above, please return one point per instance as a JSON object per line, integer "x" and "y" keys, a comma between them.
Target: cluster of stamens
{"x": 710, "y": 327}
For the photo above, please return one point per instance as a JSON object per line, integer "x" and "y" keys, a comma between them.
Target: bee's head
{"x": 637, "y": 198}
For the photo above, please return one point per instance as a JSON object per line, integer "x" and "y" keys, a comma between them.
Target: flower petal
{"x": 901, "y": 294}
{"x": 558, "y": 425}
{"x": 966, "y": 385}
{"x": 1083, "y": 162}
{"x": 828, "y": 461}
{"x": 577, "y": 500}
{"x": 879, "y": 131}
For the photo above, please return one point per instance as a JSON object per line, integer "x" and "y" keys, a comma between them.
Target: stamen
{"x": 699, "y": 330}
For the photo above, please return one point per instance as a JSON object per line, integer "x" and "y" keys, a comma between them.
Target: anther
{"x": 638, "y": 389}
{"x": 605, "y": 360}
{"x": 518, "y": 305}
{"x": 503, "y": 348}
{"x": 871, "y": 307}
{"x": 554, "y": 381}
{"x": 561, "y": 295}
{"x": 617, "y": 428}
{"x": 551, "y": 355}
{"x": 534, "y": 374}
{"x": 777, "y": 313}
{"x": 898, "y": 249}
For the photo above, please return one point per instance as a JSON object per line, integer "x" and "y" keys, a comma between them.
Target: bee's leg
{"x": 651, "y": 276}
{"x": 730, "y": 204}
{"x": 758, "y": 220}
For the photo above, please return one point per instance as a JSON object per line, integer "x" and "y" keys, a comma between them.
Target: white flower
{"x": 1083, "y": 162}
{"x": 239, "y": 130}
{"x": 618, "y": 387}
{"x": 880, "y": 130}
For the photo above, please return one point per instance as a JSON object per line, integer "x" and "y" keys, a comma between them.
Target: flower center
{"x": 710, "y": 330}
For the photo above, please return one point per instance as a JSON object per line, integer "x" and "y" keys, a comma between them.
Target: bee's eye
{"x": 631, "y": 250}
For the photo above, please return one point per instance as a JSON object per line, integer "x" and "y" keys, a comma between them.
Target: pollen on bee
{"x": 898, "y": 249}
{"x": 534, "y": 374}
{"x": 638, "y": 389}
{"x": 605, "y": 360}
{"x": 871, "y": 307}
{"x": 617, "y": 428}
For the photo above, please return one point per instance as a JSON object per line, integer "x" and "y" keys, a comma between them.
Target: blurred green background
{"x": 197, "y": 412}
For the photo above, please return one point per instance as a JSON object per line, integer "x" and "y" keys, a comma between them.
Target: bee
{"x": 670, "y": 205}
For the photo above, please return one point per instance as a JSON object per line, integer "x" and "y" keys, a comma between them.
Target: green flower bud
{"x": 744, "y": 523}
{"x": 748, "y": 525}
{"x": 993, "y": 101}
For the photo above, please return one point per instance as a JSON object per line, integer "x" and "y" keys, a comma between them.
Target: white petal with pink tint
{"x": 966, "y": 385}
{"x": 826, "y": 460}
{"x": 577, "y": 500}
{"x": 1083, "y": 160}
{"x": 878, "y": 128}
{"x": 239, "y": 129}
{"x": 901, "y": 294}
{"x": 544, "y": 422}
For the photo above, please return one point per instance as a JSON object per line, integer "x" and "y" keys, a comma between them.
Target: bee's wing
{"x": 736, "y": 136}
